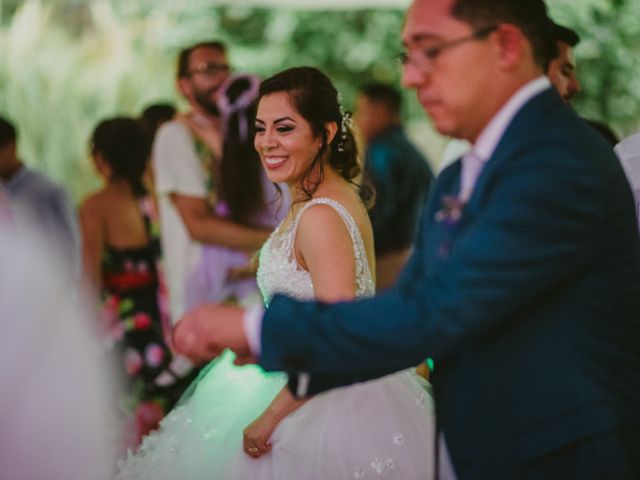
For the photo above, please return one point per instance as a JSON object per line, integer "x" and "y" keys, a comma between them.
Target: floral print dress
{"x": 137, "y": 331}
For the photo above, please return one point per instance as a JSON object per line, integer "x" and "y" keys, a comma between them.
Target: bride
{"x": 242, "y": 423}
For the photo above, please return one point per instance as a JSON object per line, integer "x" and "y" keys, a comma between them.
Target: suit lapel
{"x": 523, "y": 126}
{"x": 437, "y": 237}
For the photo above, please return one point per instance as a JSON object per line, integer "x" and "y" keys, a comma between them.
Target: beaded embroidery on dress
{"x": 383, "y": 428}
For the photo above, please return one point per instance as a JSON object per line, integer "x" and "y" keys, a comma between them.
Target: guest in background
{"x": 37, "y": 199}
{"x": 202, "y": 199}
{"x": 563, "y": 73}
{"x": 562, "y": 69}
{"x": 121, "y": 256}
{"x": 400, "y": 174}
{"x": 241, "y": 193}
{"x": 152, "y": 118}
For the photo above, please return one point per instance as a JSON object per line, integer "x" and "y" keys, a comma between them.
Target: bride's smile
{"x": 284, "y": 139}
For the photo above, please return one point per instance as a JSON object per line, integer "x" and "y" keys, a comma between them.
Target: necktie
{"x": 471, "y": 167}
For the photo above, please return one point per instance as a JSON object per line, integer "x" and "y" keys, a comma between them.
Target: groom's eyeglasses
{"x": 423, "y": 58}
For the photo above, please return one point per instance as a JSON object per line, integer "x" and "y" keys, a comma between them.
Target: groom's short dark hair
{"x": 530, "y": 16}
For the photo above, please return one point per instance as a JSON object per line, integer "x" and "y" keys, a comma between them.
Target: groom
{"x": 525, "y": 282}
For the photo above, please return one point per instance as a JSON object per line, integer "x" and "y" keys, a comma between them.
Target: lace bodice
{"x": 279, "y": 272}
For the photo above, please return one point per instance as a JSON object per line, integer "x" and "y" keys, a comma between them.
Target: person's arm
{"x": 179, "y": 175}
{"x": 536, "y": 233}
{"x": 93, "y": 238}
{"x": 204, "y": 227}
{"x": 323, "y": 245}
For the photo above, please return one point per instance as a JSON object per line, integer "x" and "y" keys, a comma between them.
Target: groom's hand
{"x": 204, "y": 332}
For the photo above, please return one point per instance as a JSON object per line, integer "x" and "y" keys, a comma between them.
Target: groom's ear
{"x": 331, "y": 128}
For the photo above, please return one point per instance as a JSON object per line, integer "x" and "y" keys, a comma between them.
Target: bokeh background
{"x": 66, "y": 64}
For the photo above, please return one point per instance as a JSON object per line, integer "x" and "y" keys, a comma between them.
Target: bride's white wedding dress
{"x": 378, "y": 429}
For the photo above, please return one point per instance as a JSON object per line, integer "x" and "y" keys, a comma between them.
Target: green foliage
{"x": 67, "y": 64}
{"x": 608, "y": 58}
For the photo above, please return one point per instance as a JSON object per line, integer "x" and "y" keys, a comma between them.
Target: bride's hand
{"x": 423, "y": 370}
{"x": 256, "y": 436}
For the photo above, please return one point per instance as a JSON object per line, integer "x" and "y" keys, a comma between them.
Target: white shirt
{"x": 177, "y": 169}
{"x": 628, "y": 151}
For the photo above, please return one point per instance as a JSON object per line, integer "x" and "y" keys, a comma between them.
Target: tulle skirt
{"x": 383, "y": 428}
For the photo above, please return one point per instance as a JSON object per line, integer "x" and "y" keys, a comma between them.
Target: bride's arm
{"x": 255, "y": 439}
{"x": 323, "y": 247}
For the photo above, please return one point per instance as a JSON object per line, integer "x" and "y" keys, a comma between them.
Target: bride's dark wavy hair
{"x": 316, "y": 100}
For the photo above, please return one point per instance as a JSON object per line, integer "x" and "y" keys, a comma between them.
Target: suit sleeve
{"x": 536, "y": 230}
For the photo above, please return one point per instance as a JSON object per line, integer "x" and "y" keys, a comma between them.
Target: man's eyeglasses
{"x": 209, "y": 69}
{"x": 424, "y": 58}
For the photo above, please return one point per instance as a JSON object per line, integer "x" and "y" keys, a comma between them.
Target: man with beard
{"x": 186, "y": 155}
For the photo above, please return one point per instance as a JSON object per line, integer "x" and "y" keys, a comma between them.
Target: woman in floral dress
{"x": 121, "y": 257}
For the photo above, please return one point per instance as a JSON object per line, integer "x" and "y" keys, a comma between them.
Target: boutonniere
{"x": 450, "y": 211}
{"x": 449, "y": 215}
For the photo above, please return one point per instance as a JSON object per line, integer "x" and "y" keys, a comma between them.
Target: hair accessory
{"x": 345, "y": 124}
{"x": 241, "y": 102}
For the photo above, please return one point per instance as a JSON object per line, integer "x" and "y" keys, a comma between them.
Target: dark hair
{"x": 155, "y": 115}
{"x": 565, "y": 34}
{"x": 384, "y": 94}
{"x": 559, "y": 33}
{"x": 240, "y": 169}
{"x": 125, "y": 145}
{"x": 316, "y": 100}
{"x": 7, "y": 132}
{"x": 530, "y": 16}
{"x": 182, "y": 69}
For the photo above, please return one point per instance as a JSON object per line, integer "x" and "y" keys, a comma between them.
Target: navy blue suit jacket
{"x": 529, "y": 304}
